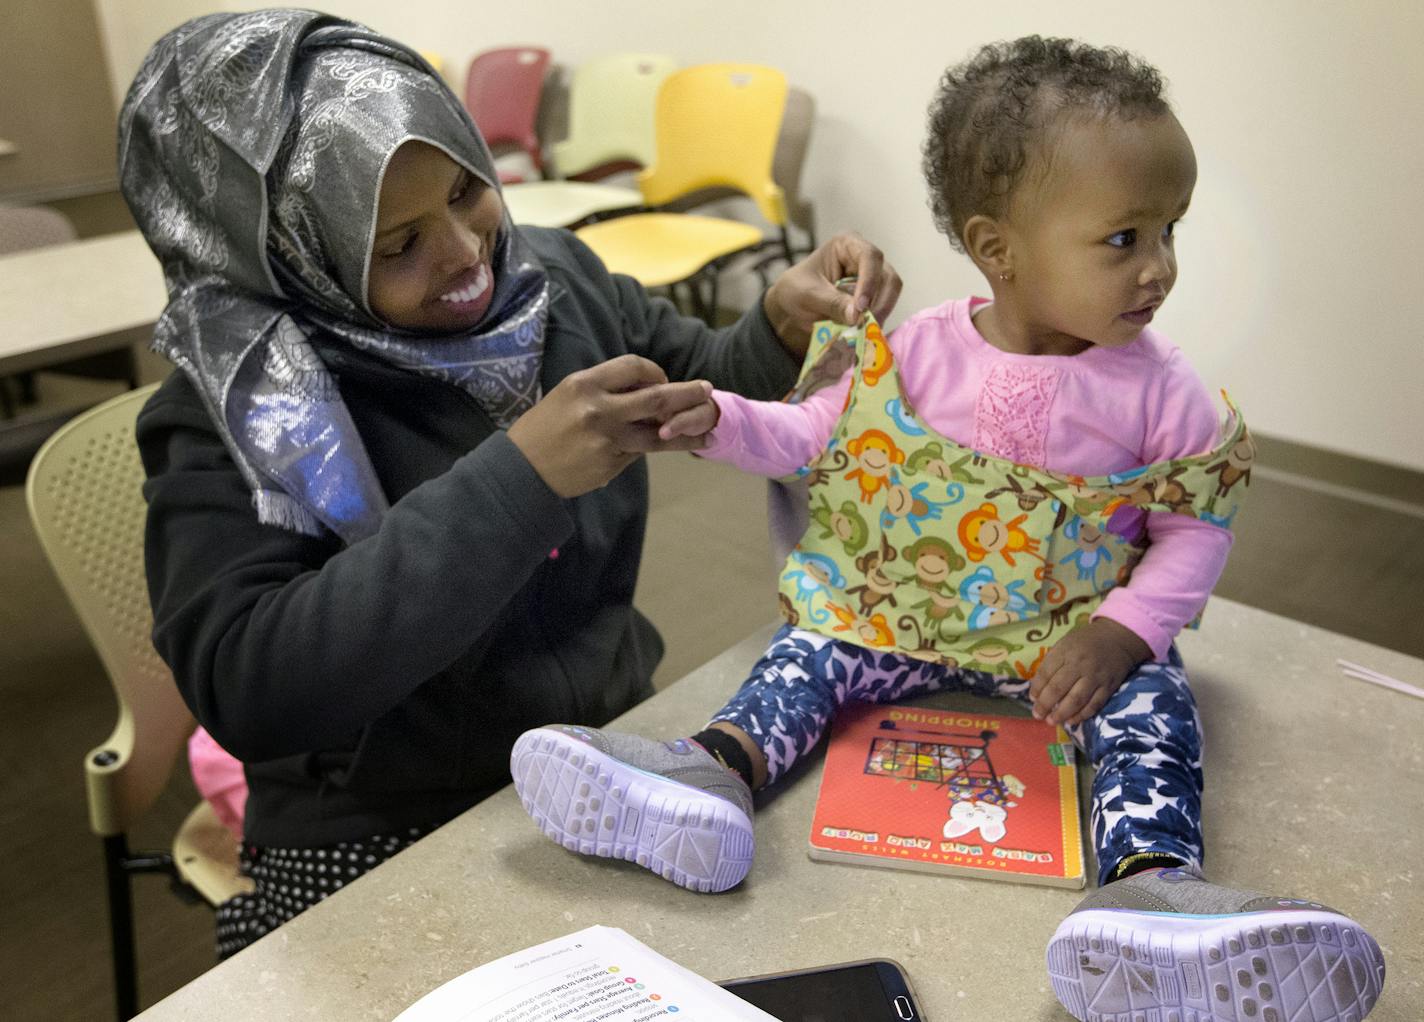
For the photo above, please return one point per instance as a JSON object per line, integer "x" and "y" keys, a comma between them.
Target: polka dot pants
{"x": 291, "y": 880}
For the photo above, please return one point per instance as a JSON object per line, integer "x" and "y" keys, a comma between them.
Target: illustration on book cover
{"x": 950, "y": 791}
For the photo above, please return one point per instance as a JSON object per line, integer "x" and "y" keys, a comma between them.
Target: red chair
{"x": 502, "y": 92}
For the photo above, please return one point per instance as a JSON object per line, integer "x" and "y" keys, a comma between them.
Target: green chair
{"x": 610, "y": 114}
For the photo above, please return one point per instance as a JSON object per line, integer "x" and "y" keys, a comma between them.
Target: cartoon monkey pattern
{"x": 923, "y": 547}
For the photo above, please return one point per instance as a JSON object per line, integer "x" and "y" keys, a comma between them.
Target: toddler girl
{"x": 1024, "y": 496}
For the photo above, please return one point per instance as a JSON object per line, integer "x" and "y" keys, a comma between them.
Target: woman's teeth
{"x": 470, "y": 293}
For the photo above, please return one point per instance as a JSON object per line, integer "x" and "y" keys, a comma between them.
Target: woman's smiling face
{"x": 436, "y": 226}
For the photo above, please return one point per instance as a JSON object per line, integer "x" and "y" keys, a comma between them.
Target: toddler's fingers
{"x": 1038, "y": 681}
{"x": 682, "y": 443}
{"x": 1096, "y": 703}
{"x": 1073, "y": 701}
{"x": 643, "y": 438}
{"x": 659, "y": 402}
{"x": 1053, "y": 680}
{"x": 1052, "y": 664}
{"x": 1051, "y": 702}
{"x": 691, "y": 422}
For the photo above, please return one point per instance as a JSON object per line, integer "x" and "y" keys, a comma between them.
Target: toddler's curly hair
{"x": 994, "y": 109}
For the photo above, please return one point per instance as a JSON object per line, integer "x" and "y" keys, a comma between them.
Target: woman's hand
{"x": 807, "y": 293}
{"x": 1081, "y": 672}
{"x": 597, "y": 421}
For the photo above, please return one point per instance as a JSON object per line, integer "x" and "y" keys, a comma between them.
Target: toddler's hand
{"x": 596, "y": 422}
{"x": 696, "y": 421}
{"x": 1080, "y": 673}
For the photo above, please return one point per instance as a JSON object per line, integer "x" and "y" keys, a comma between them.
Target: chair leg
{"x": 696, "y": 303}
{"x": 674, "y": 294}
{"x": 131, "y": 368}
{"x": 121, "y": 935}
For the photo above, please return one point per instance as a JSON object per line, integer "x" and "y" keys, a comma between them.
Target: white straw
{"x": 1376, "y": 678}
{"x": 1362, "y": 669}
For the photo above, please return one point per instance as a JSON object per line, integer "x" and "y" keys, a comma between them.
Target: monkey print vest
{"x": 920, "y": 546}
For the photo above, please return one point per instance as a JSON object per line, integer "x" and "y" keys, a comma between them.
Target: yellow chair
{"x": 716, "y": 126}
{"x": 85, "y": 497}
{"x": 791, "y": 145}
{"x": 610, "y": 115}
{"x": 435, "y": 60}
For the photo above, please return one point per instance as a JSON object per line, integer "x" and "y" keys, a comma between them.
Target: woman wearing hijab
{"x": 396, "y": 495}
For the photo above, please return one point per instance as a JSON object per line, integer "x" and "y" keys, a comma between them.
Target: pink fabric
{"x": 219, "y": 779}
{"x": 1102, "y": 411}
{"x": 1011, "y": 417}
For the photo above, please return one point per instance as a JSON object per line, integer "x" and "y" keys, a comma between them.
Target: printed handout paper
{"x": 599, "y": 974}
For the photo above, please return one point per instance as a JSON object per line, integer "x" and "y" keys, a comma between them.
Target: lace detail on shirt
{"x": 1011, "y": 417}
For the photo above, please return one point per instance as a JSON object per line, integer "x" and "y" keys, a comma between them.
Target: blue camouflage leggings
{"x": 1144, "y": 745}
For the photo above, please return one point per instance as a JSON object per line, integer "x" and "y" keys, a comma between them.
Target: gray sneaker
{"x": 668, "y": 806}
{"x": 1167, "y": 945}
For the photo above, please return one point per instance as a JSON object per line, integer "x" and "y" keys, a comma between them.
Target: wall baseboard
{"x": 1340, "y": 472}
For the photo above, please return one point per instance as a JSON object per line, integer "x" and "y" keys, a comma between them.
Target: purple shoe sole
{"x": 594, "y": 804}
{"x": 1117, "y": 965}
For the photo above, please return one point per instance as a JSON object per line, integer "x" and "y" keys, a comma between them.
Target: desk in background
{"x": 81, "y": 298}
{"x": 1314, "y": 785}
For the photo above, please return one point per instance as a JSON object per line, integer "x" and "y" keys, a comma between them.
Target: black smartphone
{"x": 876, "y": 990}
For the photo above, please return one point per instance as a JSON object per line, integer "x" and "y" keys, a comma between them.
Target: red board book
{"x": 947, "y": 791}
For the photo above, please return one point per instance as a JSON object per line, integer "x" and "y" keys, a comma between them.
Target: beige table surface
{"x": 1314, "y": 784}
{"x": 79, "y": 298}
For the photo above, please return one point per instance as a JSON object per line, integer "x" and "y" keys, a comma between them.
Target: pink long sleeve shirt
{"x": 1102, "y": 411}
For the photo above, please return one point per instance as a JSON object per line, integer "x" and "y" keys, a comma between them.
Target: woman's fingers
{"x": 807, "y": 291}
{"x": 649, "y": 440}
{"x": 669, "y": 417}
{"x": 597, "y": 421}
{"x": 626, "y": 372}
{"x": 867, "y": 264}
{"x": 877, "y": 285}
{"x": 884, "y": 293}
{"x": 659, "y": 403}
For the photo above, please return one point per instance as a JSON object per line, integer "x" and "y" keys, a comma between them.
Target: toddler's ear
{"x": 987, "y": 244}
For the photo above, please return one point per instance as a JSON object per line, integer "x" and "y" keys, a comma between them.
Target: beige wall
{"x": 55, "y": 105}
{"x": 1301, "y": 257}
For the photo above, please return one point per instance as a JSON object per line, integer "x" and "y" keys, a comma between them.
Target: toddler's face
{"x": 1092, "y": 239}
{"x": 435, "y": 232}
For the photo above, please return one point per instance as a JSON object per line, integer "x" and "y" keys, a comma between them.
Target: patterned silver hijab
{"x": 251, "y": 151}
